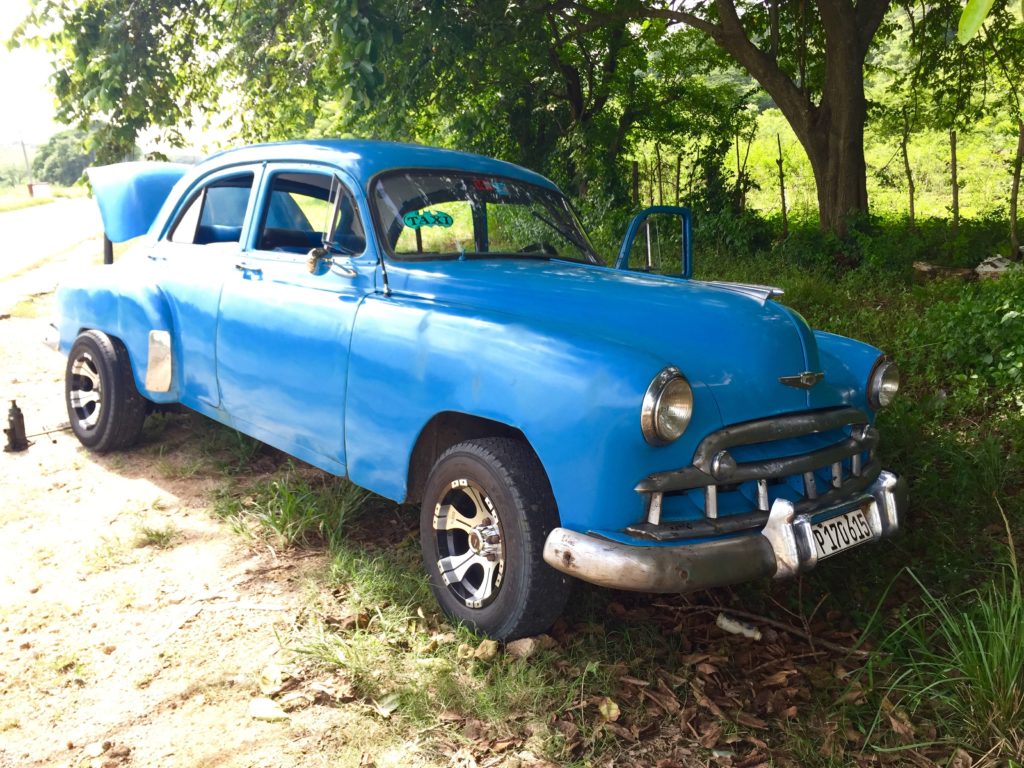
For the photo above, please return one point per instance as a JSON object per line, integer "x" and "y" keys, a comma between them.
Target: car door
{"x": 283, "y": 332}
{"x": 193, "y": 258}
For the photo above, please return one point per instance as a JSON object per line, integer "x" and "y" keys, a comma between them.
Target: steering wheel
{"x": 541, "y": 246}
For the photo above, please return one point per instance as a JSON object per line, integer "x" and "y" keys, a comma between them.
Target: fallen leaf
{"x": 618, "y": 730}
{"x": 387, "y": 705}
{"x": 267, "y": 710}
{"x": 295, "y": 700}
{"x": 750, "y": 721}
{"x": 568, "y": 729}
{"x": 901, "y": 726}
{"x": 710, "y": 736}
{"x": 270, "y": 680}
{"x": 663, "y": 697}
{"x": 522, "y": 648}
{"x": 609, "y": 709}
{"x": 633, "y": 681}
{"x": 960, "y": 759}
{"x": 779, "y": 678}
{"x": 486, "y": 651}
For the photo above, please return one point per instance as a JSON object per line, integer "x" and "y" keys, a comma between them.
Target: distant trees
{"x": 62, "y": 159}
{"x": 571, "y": 87}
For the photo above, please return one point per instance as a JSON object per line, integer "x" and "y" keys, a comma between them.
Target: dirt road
{"x": 134, "y": 627}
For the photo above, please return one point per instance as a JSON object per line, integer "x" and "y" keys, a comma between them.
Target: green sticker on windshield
{"x": 417, "y": 219}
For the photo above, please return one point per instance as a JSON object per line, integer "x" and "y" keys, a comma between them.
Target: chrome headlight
{"x": 883, "y": 384}
{"x": 667, "y": 407}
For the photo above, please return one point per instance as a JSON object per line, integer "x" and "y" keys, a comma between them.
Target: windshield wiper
{"x": 564, "y": 232}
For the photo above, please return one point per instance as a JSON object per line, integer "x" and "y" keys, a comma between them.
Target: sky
{"x": 26, "y": 102}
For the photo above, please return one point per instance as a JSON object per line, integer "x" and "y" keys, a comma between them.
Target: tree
{"x": 132, "y": 65}
{"x": 63, "y": 159}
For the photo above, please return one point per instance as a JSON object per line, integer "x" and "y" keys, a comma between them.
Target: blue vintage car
{"x": 437, "y": 327}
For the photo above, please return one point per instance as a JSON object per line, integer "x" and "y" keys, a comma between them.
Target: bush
{"x": 973, "y": 343}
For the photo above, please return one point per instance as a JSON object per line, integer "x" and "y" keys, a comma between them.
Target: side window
{"x": 298, "y": 212}
{"x": 215, "y": 213}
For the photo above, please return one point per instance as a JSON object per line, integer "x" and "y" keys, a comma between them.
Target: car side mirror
{"x": 658, "y": 238}
{"x": 319, "y": 261}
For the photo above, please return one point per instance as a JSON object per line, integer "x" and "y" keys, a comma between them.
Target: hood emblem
{"x": 804, "y": 380}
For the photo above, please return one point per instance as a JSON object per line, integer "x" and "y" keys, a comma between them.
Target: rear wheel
{"x": 105, "y": 409}
{"x": 487, "y": 511}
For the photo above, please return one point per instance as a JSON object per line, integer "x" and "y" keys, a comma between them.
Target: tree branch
{"x": 869, "y": 15}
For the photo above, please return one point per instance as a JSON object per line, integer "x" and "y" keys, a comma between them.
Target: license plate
{"x": 840, "y": 533}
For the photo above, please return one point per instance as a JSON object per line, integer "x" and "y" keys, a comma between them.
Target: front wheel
{"x": 487, "y": 511}
{"x": 105, "y": 409}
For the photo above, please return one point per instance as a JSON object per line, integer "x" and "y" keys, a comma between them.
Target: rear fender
{"x": 119, "y": 301}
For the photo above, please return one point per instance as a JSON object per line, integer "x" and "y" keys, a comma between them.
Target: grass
{"x": 158, "y": 537}
{"x": 16, "y": 198}
{"x": 296, "y": 507}
{"x": 958, "y": 663}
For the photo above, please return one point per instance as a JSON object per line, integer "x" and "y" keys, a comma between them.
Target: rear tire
{"x": 105, "y": 408}
{"x": 487, "y": 511}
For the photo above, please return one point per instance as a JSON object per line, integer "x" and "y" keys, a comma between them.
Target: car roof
{"x": 364, "y": 159}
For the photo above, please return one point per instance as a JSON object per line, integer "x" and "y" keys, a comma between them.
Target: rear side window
{"x": 298, "y": 213}
{"x": 215, "y": 214}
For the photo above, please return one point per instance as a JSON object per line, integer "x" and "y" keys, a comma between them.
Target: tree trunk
{"x": 904, "y": 141}
{"x": 782, "y": 190}
{"x": 636, "y": 184}
{"x": 1015, "y": 194}
{"x": 831, "y": 132}
{"x": 661, "y": 191}
{"x": 679, "y": 168}
{"x": 956, "y": 186}
{"x": 833, "y": 137}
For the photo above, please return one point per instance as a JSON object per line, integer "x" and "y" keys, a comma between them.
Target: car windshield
{"x": 442, "y": 214}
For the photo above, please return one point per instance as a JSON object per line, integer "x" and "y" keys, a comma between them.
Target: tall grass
{"x": 959, "y": 663}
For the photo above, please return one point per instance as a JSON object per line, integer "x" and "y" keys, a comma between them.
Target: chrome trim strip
{"x": 759, "y": 292}
{"x": 711, "y": 501}
{"x": 654, "y": 509}
{"x": 810, "y": 485}
{"x": 762, "y": 495}
{"x": 159, "y": 369}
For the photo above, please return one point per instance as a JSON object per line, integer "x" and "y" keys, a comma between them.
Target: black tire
{"x": 505, "y": 589}
{"x": 105, "y": 408}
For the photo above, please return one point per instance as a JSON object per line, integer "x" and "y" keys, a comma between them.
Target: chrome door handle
{"x": 343, "y": 270}
{"x": 248, "y": 268}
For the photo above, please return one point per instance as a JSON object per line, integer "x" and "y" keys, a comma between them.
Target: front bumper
{"x": 783, "y": 548}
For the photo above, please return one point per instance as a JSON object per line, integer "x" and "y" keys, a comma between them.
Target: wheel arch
{"x": 440, "y": 433}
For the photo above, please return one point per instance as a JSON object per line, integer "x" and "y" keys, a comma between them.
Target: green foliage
{"x": 959, "y": 663}
{"x": 972, "y": 18}
{"x": 980, "y": 343}
{"x": 63, "y": 159}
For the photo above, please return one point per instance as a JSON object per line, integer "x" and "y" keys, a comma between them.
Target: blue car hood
{"x": 727, "y": 341}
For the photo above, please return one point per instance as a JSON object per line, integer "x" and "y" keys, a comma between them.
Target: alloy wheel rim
{"x": 470, "y": 544}
{"x": 86, "y": 391}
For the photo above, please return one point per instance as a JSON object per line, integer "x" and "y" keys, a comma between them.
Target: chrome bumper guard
{"x": 783, "y": 548}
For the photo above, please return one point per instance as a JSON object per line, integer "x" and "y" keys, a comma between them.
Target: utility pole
{"x": 28, "y": 167}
